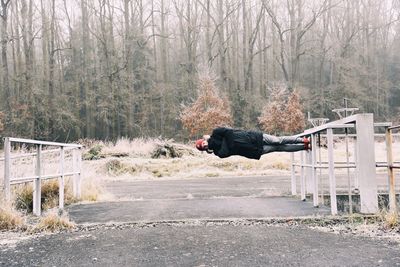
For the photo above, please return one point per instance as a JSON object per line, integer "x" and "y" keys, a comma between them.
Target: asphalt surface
{"x": 203, "y": 245}
{"x": 212, "y": 198}
{"x": 199, "y": 222}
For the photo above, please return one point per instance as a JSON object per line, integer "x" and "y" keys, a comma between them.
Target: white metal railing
{"x": 38, "y": 175}
{"x": 391, "y": 166}
{"x": 364, "y": 163}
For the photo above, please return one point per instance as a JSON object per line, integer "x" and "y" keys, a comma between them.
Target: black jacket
{"x": 225, "y": 142}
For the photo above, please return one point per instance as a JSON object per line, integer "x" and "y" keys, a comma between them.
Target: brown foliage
{"x": 272, "y": 118}
{"x": 208, "y": 111}
{"x": 282, "y": 113}
{"x": 293, "y": 114}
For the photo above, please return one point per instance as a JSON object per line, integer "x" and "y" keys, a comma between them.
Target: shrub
{"x": 93, "y": 153}
{"x": 208, "y": 111}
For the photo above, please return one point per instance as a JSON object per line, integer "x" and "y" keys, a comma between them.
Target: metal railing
{"x": 38, "y": 175}
{"x": 364, "y": 162}
{"x": 391, "y": 165}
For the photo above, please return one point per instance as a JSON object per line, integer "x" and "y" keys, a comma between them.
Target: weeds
{"x": 93, "y": 153}
{"x": 389, "y": 219}
{"x": 49, "y": 195}
{"x": 53, "y": 223}
{"x": 9, "y": 218}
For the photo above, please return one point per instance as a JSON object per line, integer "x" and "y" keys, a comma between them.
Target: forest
{"x": 105, "y": 69}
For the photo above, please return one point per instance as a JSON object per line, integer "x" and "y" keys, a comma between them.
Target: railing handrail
{"x": 394, "y": 127}
{"x": 44, "y": 143}
{"x": 347, "y": 122}
{"x": 38, "y": 176}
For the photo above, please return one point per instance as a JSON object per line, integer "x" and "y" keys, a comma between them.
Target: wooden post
{"x": 293, "y": 177}
{"x": 332, "y": 180}
{"x": 7, "y": 168}
{"x": 37, "y": 183}
{"x": 61, "y": 180}
{"x": 389, "y": 151}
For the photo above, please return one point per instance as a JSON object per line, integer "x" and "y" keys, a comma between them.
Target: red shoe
{"x": 307, "y": 144}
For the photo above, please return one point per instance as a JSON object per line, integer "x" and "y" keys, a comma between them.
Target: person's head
{"x": 202, "y": 144}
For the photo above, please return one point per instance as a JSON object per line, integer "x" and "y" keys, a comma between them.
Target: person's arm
{"x": 223, "y": 152}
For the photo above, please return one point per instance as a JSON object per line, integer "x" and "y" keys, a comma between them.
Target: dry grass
{"x": 49, "y": 194}
{"x": 53, "y": 223}
{"x": 10, "y": 218}
{"x": 137, "y": 147}
{"x": 390, "y": 219}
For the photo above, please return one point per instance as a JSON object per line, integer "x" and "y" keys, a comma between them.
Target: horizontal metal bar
{"x": 43, "y": 152}
{"x": 45, "y": 143}
{"x": 330, "y": 125}
{"x": 342, "y": 123}
{"x": 325, "y": 166}
{"x": 383, "y": 124}
{"x": 20, "y": 182}
{"x": 43, "y": 177}
{"x": 51, "y": 176}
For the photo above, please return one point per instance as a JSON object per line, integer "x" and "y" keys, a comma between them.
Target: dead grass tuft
{"x": 280, "y": 165}
{"x": 49, "y": 194}
{"x": 53, "y": 223}
{"x": 390, "y": 219}
{"x": 91, "y": 190}
{"x": 9, "y": 218}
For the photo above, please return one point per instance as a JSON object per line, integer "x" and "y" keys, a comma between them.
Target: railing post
{"x": 389, "y": 151}
{"x": 332, "y": 180}
{"x": 37, "y": 183}
{"x": 61, "y": 180}
{"x": 348, "y": 173}
{"x": 293, "y": 177}
{"x": 302, "y": 178}
{"x": 308, "y": 181}
{"x": 314, "y": 170}
{"x": 76, "y": 164}
{"x": 366, "y": 163}
{"x": 79, "y": 182}
{"x": 356, "y": 182}
{"x": 7, "y": 168}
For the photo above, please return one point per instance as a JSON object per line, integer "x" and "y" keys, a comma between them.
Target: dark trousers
{"x": 282, "y": 143}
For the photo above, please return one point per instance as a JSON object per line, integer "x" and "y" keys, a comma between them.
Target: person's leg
{"x": 281, "y": 140}
{"x": 290, "y": 148}
{"x": 268, "y": 149}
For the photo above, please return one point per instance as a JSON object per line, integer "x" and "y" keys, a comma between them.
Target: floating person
{"x": 225, "y": 142}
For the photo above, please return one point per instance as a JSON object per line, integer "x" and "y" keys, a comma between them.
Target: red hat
{"x": 199, "y": 144}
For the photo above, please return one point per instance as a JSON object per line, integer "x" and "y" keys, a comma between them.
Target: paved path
{"x": 184, "y": 230}
{"x": 202, "y": 245}
{"x": 216, "y": 198}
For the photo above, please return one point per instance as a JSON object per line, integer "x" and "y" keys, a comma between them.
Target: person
{"x": 225, "y": 142}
